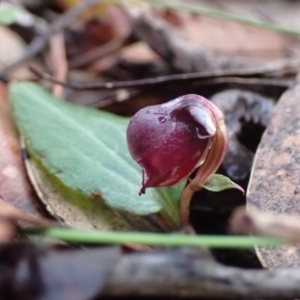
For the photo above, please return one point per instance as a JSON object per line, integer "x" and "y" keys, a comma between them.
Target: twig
{"x": 253, "y": 221}
{"x": 276, "y": 87}
{"x": 186, "y": 273}
{"x": 59, "y": 61}
{"x": 118, "y": 96}
{"x": 40, "y": 42}
{"x": 98, "y": 53}
{"x": 271, "y": 70}
{"x": 9, "y": 212}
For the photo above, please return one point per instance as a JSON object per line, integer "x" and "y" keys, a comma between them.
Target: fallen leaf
{"x": 81, "y": 155}
{"x": 275, "y": 180}
{"x": 14, "y": 185}
{"x": 245, "y": 41}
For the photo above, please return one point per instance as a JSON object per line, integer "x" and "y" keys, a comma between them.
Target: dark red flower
{"x": 171, "y": 140}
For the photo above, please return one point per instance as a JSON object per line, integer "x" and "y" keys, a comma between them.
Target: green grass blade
{"x": 156, "y": 239}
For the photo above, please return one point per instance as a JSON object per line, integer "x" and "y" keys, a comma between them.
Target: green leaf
{"x": 8, "y": 14}
{"x": 218, "y": 183}
{"x": 83, "y": 152}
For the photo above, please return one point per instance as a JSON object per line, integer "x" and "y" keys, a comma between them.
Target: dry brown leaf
{"x": 14, "y": 185}
{"x": 21, "y": 203}
{"x": 274, "y": 183}
{"x": 236, "y": 39}
{"x": 241, "y": 40}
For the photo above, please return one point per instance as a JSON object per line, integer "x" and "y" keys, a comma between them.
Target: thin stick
{"x": 98, "y": 53}
{"x": 271, "y": 70}
{"x": 277, "y": 86}
{"x": 59, "y": 61}
{"x": 11, "y": 213}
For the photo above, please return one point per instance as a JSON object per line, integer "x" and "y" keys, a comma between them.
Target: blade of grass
{"x": 222, "y": 15}
{"x": 156, "y": 239}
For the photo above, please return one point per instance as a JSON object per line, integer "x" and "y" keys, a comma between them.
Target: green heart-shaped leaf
{"x": 218, "y": 183}
{"x": 84, "y": 151}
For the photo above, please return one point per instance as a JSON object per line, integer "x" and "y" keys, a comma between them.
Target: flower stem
{"x": 185, "y": 201}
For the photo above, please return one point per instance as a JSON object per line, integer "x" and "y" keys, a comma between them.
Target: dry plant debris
{"x": 73, "y": 161}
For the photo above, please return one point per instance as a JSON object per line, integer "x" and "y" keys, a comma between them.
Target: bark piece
{"x": 275, "y": 180}
{"x": 191, "y": 273}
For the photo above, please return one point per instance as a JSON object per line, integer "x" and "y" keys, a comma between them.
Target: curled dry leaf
{"x": 274, "y": 183}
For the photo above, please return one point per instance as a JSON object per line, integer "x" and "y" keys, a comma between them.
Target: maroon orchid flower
{"x": 171, "y": 140}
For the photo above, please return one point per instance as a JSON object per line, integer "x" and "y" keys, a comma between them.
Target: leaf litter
{"x": 74, "y": 198}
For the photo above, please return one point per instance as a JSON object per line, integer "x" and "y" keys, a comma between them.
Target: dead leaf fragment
{"x": 10, "y": 217}
{"x": 8, "y": 212}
